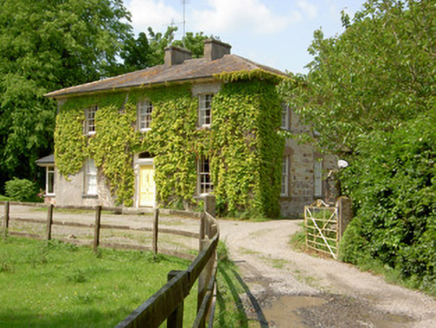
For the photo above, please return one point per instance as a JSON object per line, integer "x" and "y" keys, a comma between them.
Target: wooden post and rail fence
{"x": 167, "y": 303}
{"x": 97, "y": 226}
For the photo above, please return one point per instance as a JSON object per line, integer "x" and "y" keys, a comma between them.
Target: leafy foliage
{"x": 70, "y": 142}
{"x": 149, "y": 51}
{"x": 22, "y": 190}
{"x": 48, "y": 45}
{"x": 247, "y": 148}
{"x": 243, "y": 144}
{"x": 371, "y": 94}
{"x": 135, "y": 53}
{"x": 377, "y": 74}
{"x": 193, "y": 42}
{"x": 394, "y": 184}
{"x": 112, "y": 149}
{"x": 174, "y": 142}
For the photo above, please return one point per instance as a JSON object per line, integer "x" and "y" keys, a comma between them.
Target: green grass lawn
{"x": 3, "y": 198}
{"x": 52, "y": 284}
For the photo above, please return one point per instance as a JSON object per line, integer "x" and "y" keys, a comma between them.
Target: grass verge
{"x": 298, "y": 239}
{"x": 4, "y": 198}
{"x": 230, "y": 307}
{"x": 53, "y": 284}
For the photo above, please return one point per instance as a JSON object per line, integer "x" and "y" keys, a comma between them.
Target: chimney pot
{"x": 214, "y": 49}
{"x": 175, "y": 55}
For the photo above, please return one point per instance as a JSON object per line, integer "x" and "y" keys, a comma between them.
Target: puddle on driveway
{"x": 282, "y": 312}
{"x": 329, "y": 311}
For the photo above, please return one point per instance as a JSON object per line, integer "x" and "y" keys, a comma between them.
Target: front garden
{"x": 53, "y": 284}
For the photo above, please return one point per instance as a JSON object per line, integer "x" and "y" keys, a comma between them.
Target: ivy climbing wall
{"x": 243, "y": 144}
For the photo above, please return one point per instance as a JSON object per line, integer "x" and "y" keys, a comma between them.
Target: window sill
{"x": 201, "y": 196}
{"x": 145, "y": 130}
{"x": 49, "y": 195}
{"x": 86, "y": 196}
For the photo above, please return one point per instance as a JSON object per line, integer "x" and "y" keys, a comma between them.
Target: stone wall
{"x": 301, "y": 172}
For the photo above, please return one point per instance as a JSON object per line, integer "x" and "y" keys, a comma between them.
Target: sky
{"x": 276, "y": 33}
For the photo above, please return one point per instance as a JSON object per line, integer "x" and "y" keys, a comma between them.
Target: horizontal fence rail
{"x": 96, "y": 227}
{"x": 325, "y": 225}
{"x": 321, "y": 222}
{"x": 168, "y": 303}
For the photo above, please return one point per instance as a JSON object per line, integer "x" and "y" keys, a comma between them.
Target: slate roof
{"x": 46, "y": 160}
{"x": 189, "y": 70}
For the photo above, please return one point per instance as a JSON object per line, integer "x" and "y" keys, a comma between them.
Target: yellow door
{"x": 146, "y": 185}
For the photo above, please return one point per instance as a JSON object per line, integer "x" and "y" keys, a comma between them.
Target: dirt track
{"x": 299, "y": 290}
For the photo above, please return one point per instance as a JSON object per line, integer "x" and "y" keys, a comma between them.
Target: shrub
{"x": 392, "y": 182}
{"x": 21, "y": 190}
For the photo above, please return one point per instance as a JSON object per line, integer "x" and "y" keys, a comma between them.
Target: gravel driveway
{"x": 298, "y": 290}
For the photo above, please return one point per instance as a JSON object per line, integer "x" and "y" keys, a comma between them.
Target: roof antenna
{"x": 184, "y": 22}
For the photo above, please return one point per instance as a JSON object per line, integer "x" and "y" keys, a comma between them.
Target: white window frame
{"x": 205, "y": 185}
{"x": 145, "y": 109}
{"x": 285, "y": 117}
{"x": 50, "y": 180}
{"x": 284, "y": 191}
{"x": 205, "y": 109}
{"x": 90, "y": 120}
{"x": 91, "y": 184}
{"x": 317, "y": 178}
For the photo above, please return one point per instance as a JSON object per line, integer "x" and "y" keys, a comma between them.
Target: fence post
{"x": 210, "y": 204}
{"x": 202, "y": 230}
{"x": 6, "y": 221}
{"x": 49, "y": 221}
{"x": 175, "y": 320}
{"x": 203, "y": 278}
{"x": 97, "y": 227}
{"x": 345, "y": 215}
{"x": 155, "y": 231}
{"x": 209, "y": 268}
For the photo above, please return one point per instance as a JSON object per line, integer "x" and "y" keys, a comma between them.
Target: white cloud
{"x": 154, "y": 13}
{"x": 307, "y": 8}
{"x": 236, "y": 15}
{"x": 295, "y": 17}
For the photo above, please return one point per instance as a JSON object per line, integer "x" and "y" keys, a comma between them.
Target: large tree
{"x": 370, "y": 95}
{"x": 46, "y": 45}
{"x": 377, "y": 74}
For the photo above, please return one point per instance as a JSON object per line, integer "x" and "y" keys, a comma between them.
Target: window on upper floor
{"x": 285, "y": 117}
{"x": 205, "y": 185}
{"x": 205, "y": 109}
{"x": 90, "y": 120}
{"x": 145, "y": 109}
{"x": 90, "y": 186}
{"x": 285, "y": 177}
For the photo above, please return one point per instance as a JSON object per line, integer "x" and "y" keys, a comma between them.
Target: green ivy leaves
{"x": 243, "y": 144}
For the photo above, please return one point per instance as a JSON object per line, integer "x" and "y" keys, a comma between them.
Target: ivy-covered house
{"x": 169, "y": 134}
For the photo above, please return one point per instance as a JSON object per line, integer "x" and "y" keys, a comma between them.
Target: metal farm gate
{"x": 321, "y": 222}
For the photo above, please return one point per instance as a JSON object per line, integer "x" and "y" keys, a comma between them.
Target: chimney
{"x": 175, "y": 55}
{"x": 214, "y": 49}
